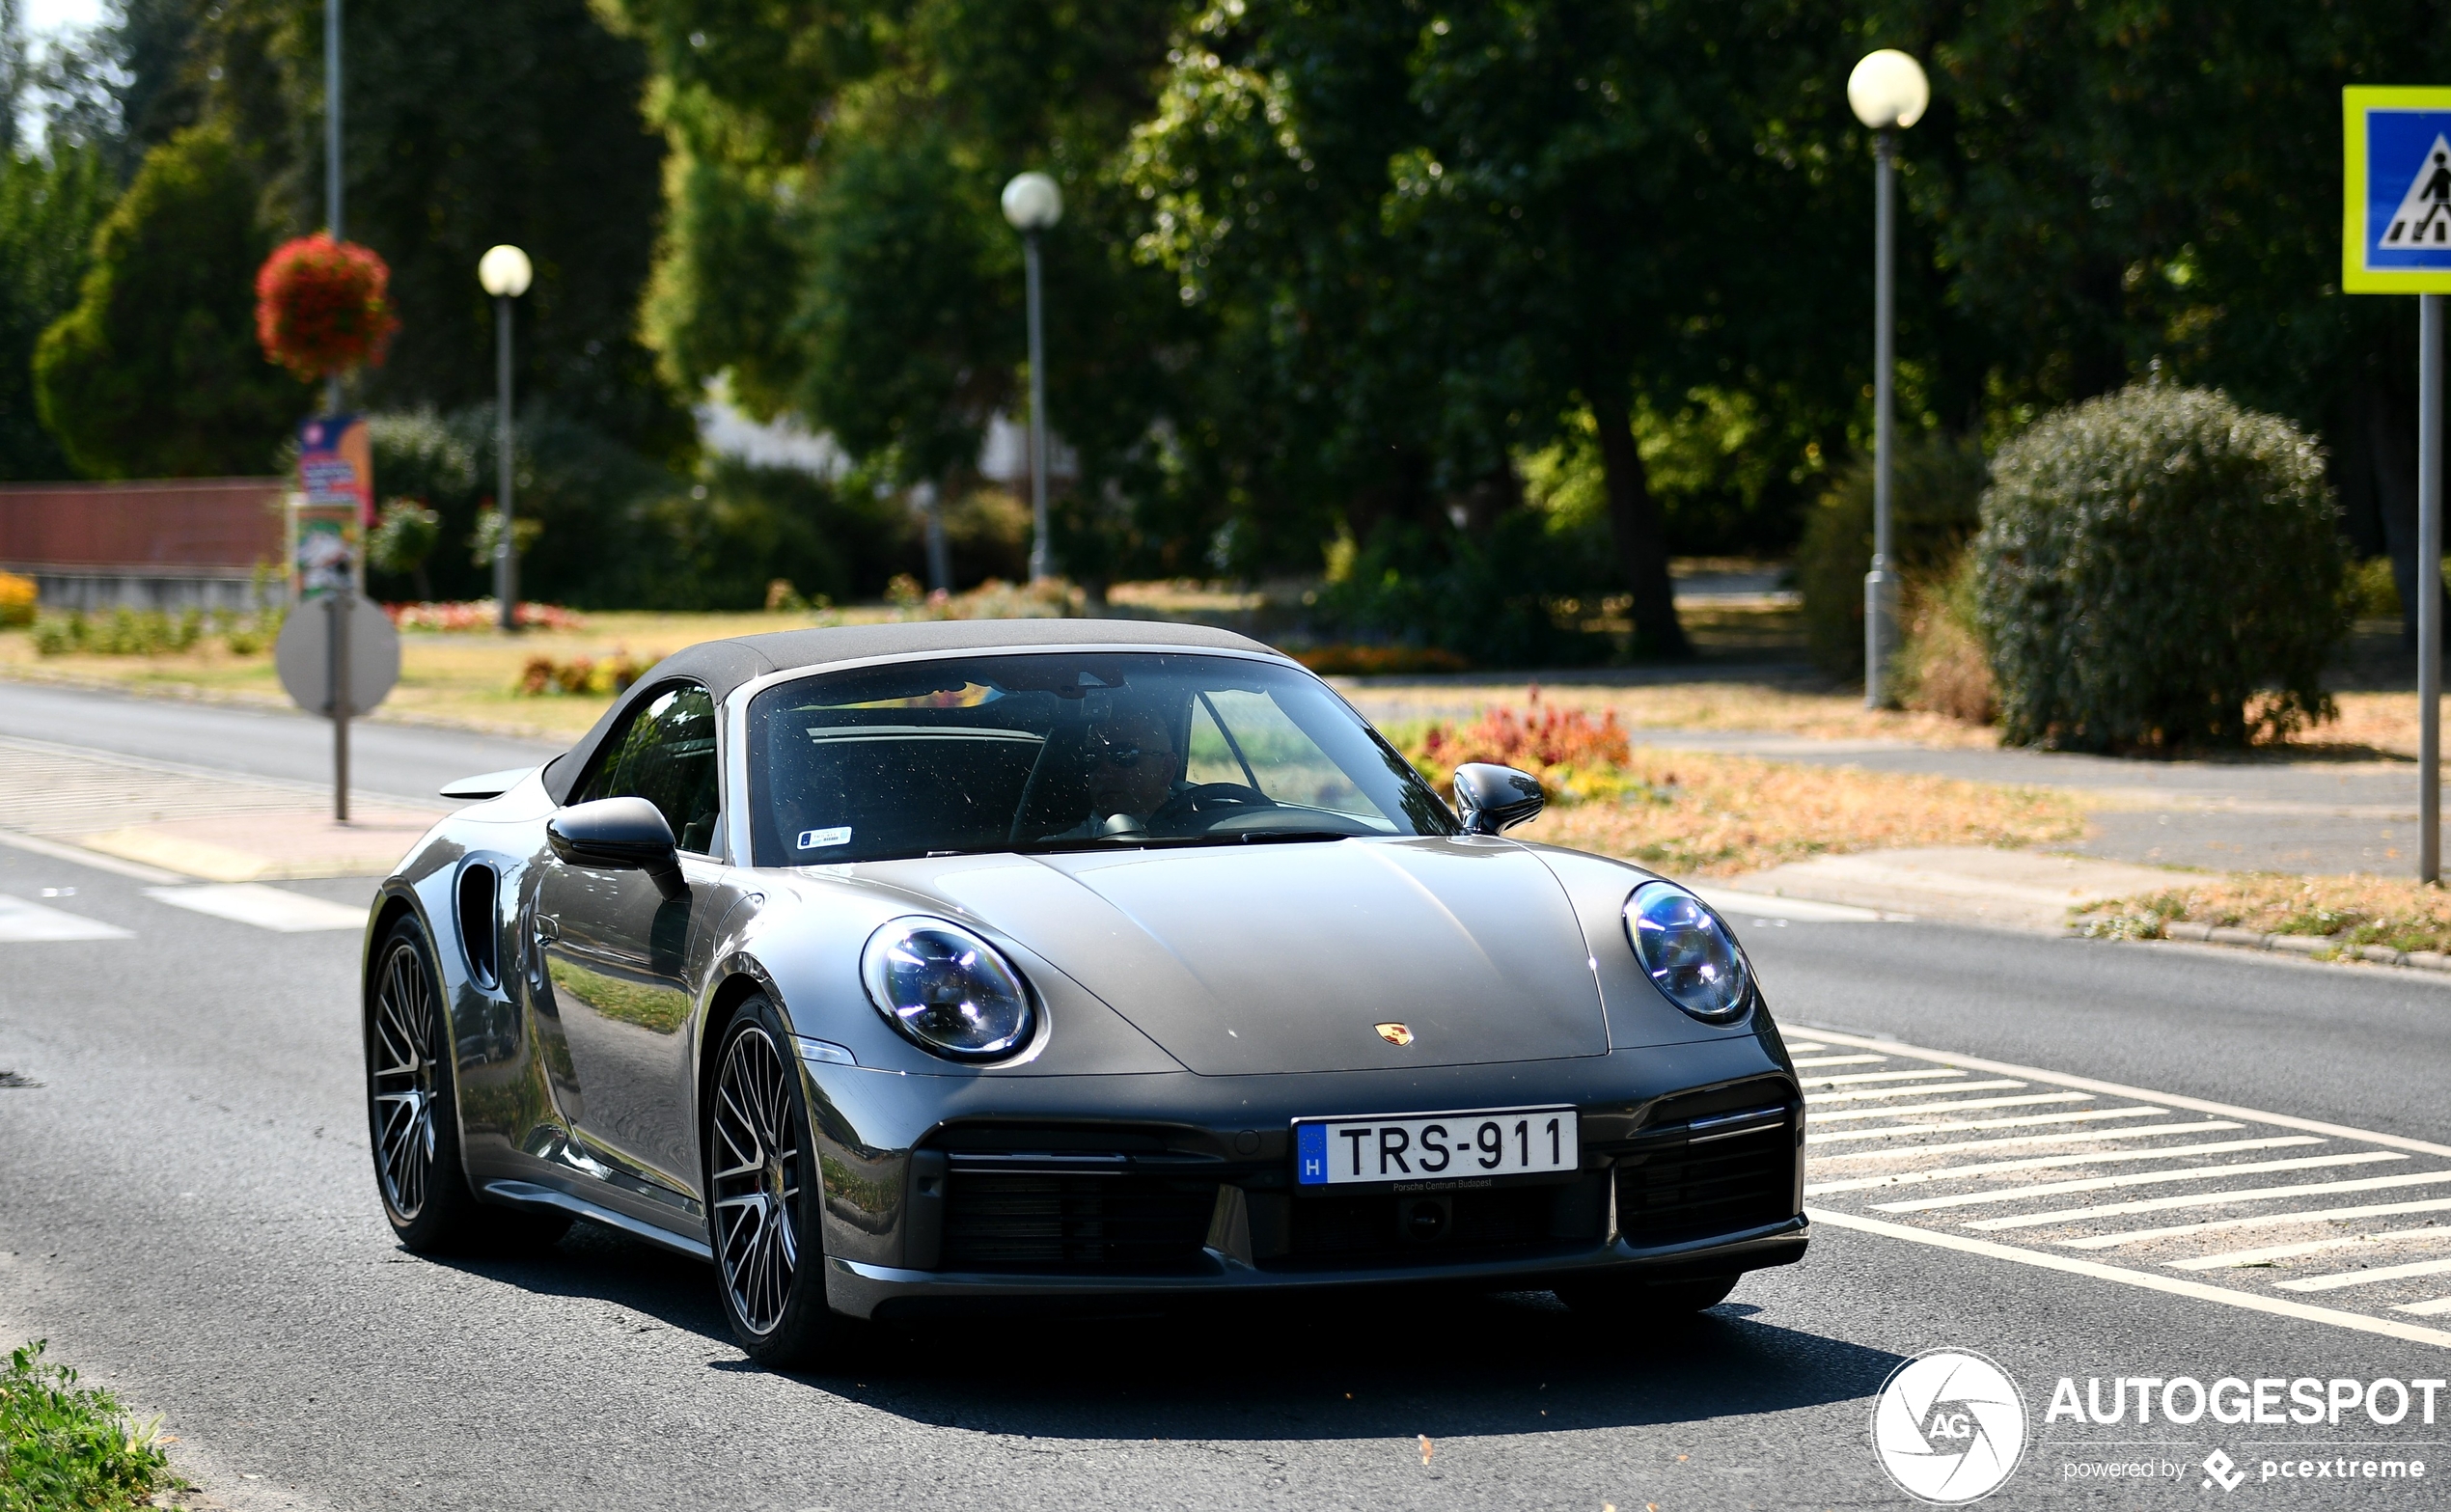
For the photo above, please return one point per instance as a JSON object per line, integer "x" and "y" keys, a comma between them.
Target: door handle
{"x": 548, "y": 928}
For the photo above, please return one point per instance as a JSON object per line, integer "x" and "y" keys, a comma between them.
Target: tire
{"x": 762, "y": 1197}
{"x": 413, "y": 1114}
{"x": 1633, "y": 1300}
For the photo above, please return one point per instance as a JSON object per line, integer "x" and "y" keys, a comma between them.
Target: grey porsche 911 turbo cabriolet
{"x": 908, "y": 967}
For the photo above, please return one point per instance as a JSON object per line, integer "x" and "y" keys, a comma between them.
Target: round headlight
{"x": 947, "y": 989}
{"x": 1686, "y": 951}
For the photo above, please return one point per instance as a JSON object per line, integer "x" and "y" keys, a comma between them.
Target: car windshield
{"x": 1066, "y": 751}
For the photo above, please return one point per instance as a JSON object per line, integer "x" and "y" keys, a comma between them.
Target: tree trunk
{"x": 1634, "y": 526}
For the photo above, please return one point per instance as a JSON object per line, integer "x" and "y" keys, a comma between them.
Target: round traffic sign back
{"x": 303, "y": 657}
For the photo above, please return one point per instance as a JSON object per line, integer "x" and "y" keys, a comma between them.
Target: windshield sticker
{"x": 819, "y": 839}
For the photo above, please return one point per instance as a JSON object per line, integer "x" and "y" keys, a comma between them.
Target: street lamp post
{"x": 1887, "y": 93}
{"x": 504, "y": 272}
{"x": 1033, "y": 203}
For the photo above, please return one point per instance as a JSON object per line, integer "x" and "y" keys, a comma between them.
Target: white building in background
{"x": 780, "y": 442}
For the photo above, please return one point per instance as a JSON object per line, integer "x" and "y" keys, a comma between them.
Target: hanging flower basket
{"x": 322, "y": 306}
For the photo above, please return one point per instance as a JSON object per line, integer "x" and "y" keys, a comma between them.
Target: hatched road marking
{"x": 2309, "y": 1233}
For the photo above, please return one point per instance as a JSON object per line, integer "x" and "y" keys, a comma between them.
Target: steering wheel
{"x": 1210, "y": 801}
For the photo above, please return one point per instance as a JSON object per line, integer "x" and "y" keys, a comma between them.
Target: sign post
{"x": 2396, "y": 239}
{"x": 336, "y": 476}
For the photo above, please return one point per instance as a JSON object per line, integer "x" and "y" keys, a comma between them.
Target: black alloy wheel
{"x": 413, "y": 1115}
{"x": 761, "y": 1187}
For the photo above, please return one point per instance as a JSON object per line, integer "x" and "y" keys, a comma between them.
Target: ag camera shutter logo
{"x": 1949, "y": 1427}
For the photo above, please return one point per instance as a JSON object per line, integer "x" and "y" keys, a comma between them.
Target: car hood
{"x": 1287, "y": 957}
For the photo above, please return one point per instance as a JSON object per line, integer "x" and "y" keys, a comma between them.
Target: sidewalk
{"x": 171, "y": 821}
{"x": 2003, "y": 889}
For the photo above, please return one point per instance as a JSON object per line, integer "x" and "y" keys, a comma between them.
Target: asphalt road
{"x": 187, "y": 1213}
{"x": 402, "y": 761}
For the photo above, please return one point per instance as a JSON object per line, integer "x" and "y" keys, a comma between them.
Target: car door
{"x": 617, "y": 952}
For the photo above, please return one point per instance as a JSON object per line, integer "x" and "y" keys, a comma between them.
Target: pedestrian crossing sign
{"x": 2396, "y": 220}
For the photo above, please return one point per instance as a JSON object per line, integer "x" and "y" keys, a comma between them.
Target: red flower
{"x": 322, "y": 306}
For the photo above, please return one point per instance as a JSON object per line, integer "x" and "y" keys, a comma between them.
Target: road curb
{"x": 2311, "y": 946}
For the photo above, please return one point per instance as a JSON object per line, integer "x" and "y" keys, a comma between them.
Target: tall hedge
{"x": 2160, "y": 569}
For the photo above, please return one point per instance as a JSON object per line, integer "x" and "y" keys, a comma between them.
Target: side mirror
{"x": 1495, "y": 798}
{"x": 618, "y": 834}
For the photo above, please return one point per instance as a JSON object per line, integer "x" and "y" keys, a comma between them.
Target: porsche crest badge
{"x": 1395, "y": 1034}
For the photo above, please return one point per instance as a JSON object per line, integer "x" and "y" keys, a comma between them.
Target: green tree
{"x": 49, "y": 206}
{"x": 1456, "y": 229}
{"x": 467, "y": 123}
{"x": 861, "y": 274}
{"x": 155, "y": 372}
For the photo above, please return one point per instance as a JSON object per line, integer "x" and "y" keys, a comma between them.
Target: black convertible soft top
{"x": 725, "y": 665}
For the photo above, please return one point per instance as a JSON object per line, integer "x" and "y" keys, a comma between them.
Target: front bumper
{"x": 871, "y": 1291}
{"x": 902, "y": 1155}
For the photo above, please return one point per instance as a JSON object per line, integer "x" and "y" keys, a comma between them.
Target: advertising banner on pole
{"x": 2396, "y": 211}
{"x": 334, "y": 508}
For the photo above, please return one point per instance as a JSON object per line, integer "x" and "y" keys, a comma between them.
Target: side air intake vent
{"x": 479, "y": 927}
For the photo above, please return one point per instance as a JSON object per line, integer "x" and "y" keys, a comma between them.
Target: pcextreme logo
{"x": 1949, "y": 1427}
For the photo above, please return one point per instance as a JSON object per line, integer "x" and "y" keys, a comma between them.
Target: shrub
{"x": 1944, "y": 665}
{"x": 1936, "y": 493}
{"x": 17, "y": 598}
{"x": 2159, "y": 569}
{"x": 2373, "y": 593}
{"x": 1506, "y": 596}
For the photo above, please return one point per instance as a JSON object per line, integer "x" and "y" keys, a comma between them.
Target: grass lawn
{"x": 63, "y": 1445}
{"x": 1711, "y": 815}
{"x": 2403, "y": 915}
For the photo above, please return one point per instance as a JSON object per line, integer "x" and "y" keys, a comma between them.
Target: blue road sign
{"x": 2396, "y": 224}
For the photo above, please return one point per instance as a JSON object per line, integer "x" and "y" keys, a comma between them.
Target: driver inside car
{"x": 1133, "y": 770}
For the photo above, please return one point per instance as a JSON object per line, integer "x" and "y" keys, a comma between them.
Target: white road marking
{"x": 1900, "y": 1131}
{"x": 2122, "y": 1138}
{"x": 1839, "y": 1060}
{"x": 2073, "y": 1215}
{"x": 2231, "y": 1258}
{"x": 2329, "y": 1215}
{"x": 2382, "y": 1273}
{"x": 265, "y": 907}
{"x": 1919, "y": 1151}
{"x": 2117, "y": 1090}
{"x": 1876, "y": 1075}
{"x": 2137, "y": 1178}
{"x": 26, "y": 923}
{"x": 1968, "y": 1106}
{"x": 1865, "y": 1094}
{"x": 2254, "y": 1302}
{"x": 2051, "y": 1162}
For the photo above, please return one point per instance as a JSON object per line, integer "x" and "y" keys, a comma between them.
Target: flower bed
{"x": 480, "y": 614}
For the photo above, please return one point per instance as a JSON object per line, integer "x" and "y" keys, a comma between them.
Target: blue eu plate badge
{"x": 1310, "y": 1154}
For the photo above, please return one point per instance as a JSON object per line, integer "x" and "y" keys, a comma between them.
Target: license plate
{"x": 1435, "y": 1148}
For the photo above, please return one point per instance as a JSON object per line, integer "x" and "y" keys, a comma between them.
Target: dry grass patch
{"x": 1721, "y": 816}
{"x": 2350, "y": 910}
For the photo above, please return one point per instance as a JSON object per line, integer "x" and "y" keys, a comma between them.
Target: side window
{"x": 1289, "y": 764}
{"x": 667, "y": 757}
